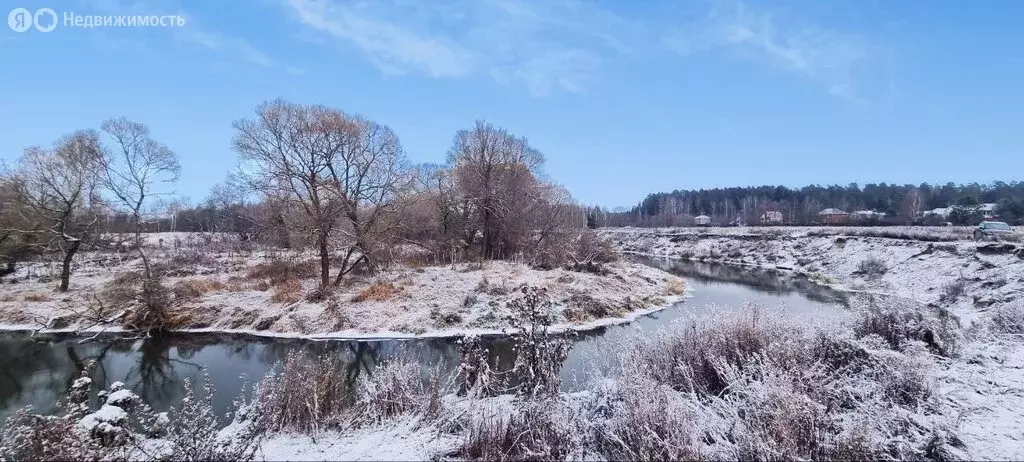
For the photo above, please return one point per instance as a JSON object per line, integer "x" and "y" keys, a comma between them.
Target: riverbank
{"x": 938, "y": 272}
{"x": 274, "y": 294}
{"x": 934, "y": 266}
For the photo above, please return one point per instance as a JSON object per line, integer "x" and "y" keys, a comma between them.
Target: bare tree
{"x": 134, "y": 164}
{"x": 367, "y": 177}
{"x": 58, "y": 187}
{"x": 287, "y": 154}
{"x": 492, "y": 168}
{"x": 344, "y": 173}
{"x": 912, "y": 204}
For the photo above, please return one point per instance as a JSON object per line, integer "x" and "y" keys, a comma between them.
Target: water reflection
{"x": 37, "y": 370}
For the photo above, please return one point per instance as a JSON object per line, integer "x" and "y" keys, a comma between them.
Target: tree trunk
{"x": 325, "y": 262}
{"x": 65, "y": 268}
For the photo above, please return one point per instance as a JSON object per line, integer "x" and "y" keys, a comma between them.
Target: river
{"x": 36, "y": 370}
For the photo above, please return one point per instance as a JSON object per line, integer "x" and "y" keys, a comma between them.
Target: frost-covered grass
{"x": 749, "y": 388}
{"x": 972, "y": 290}
{"x": 740, "y": 387}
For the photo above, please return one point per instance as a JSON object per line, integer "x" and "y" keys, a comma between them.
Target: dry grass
{"x": 193, "y": 288}
{"x": 281, "y": 270}
{"x": 534, "y": 431}
{"x": 397, "y": 387}
{"x": 752, "y": 389}
{"x": 37, "y": 297}
{"x": 379, "y": 291}
{"x": 675, "y": 287}
{"x": 304, "y": 395}
{"x": 287, "y": 291}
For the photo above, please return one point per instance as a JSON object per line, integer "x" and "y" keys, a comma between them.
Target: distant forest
{"x": 895, "y": 204}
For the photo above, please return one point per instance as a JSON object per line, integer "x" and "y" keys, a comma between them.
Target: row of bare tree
{"x": 52, "y": 200}
{"x": 344, "y": 183}
{"x": 308, "y": 175}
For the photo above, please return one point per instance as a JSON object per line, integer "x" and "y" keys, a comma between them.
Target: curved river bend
{"x": 37, "y": 370}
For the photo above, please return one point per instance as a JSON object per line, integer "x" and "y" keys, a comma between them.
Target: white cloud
{"x": 546, "y": 46}
{"x": 836, "y": 61}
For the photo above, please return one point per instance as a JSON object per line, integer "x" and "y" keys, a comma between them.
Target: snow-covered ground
{"x": 268, "y": 293}
{"x": 940, "y": 268}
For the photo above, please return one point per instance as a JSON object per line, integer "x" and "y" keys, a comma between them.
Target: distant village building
{"x": 771, "y": 217}
{"x": 702, "y": 220}
{"x": 832, "y": 216}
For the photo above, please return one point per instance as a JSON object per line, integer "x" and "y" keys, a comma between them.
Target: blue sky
{"x": 624, "y": 98}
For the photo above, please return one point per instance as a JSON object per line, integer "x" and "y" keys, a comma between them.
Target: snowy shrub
{"x": 28, "y": 436}
{"x": 397, "y": 387}
{"x": 1009, "y": 319}
{"x": 872, "y": 268}
{"x": 687, "y": 359}
{"x": 899, "y": 322}
{"x": 147, "y": 300}
{"x": 643, "y": 420}
{"x": 743, "y": 388}
{"x": 194, "y": 432}
{"x": 304, "y": 394}
{"x": 534, "y": 430}
{"x": 952, "y": 291}
{"x": 539, "y": 354}
{"x": 476, "y": 377}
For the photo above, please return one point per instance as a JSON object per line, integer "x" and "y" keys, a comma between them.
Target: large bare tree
{"x": 493, "y": 169}
{"x": 58, "y": 187}
{"x": 135, "y": 166}
{"x": 342, "y": 172}
{"x": 368, "y": 176}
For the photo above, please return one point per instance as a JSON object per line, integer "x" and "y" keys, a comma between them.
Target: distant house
{"x": 702, "y": 220}
{"x": 771, "y": 217}
{"x": 832, "y": 216}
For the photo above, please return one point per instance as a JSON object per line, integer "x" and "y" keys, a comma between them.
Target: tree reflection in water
{"x": 38, "y": 370}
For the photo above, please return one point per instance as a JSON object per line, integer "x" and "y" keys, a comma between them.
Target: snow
{"x": 405, "y": 439}
{"x": 107, "y": 414}
{"x": 433, "y": 301}
{"x": 120, "y": 397}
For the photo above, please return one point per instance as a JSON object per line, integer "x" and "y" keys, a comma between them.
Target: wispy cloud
{"x": 546, "y": 46}
{"x": 228, "y": 49}
{"x": 234, "y": 47}
{"x": 838, "y": 62}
